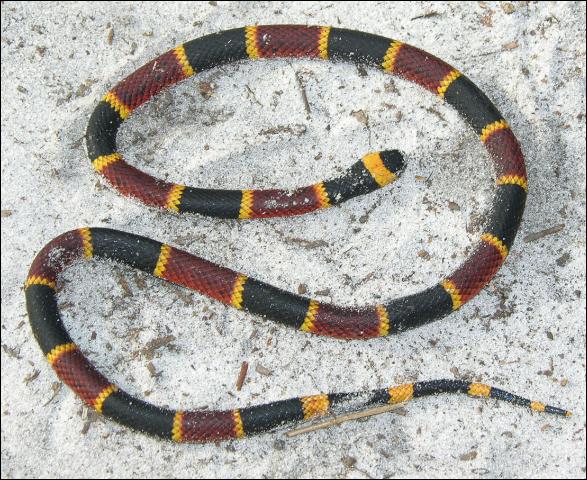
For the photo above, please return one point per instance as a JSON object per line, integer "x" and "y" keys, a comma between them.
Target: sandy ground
{"x": 245, "y": 126}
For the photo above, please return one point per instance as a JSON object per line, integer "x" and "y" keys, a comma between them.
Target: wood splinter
{"x": 241, "y": 376}
{"x": 344, "y": 418}
{"x": 303, "y": 92}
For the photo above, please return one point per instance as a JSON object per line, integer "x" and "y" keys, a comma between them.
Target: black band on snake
{"x": 374, "y": 170}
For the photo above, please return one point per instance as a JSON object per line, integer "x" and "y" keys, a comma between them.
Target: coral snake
{"x": 373, "y": 171}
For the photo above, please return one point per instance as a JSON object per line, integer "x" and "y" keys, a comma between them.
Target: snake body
{"x": 372, "y": 171}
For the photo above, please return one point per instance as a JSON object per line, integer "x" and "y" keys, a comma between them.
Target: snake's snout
{"x": 383, "y": 167}
{"x": 393, "y": 160}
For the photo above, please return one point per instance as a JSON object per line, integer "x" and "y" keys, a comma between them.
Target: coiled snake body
{"x": 373, "y": 171}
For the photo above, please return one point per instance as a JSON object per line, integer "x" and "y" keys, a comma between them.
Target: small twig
{"x": 56, "y": 389}
{"x": 543, "y": 233}
{"x": 252, "y": 94}
{"x": 492, "y": 52}
{"x": 29, "y": 377}
{"x": 344, "y": 418}
{"x": 303, "y": 91}
{"x": 302, "y": 242}
{"x": 295, "y": 129}
{"x": 124, "y": 285}
{"x": 11, "y": 352}
{"x": 426, "y": 15}
{"x": 149, "y": 350}
{"x": 90, "y": 416}
{"x": 241, "y": 376}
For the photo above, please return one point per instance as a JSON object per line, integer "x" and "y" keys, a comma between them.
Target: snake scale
{"x": 372, "y": 171}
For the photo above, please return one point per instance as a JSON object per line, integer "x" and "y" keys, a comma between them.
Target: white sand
{"x": 524, "y": 333}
